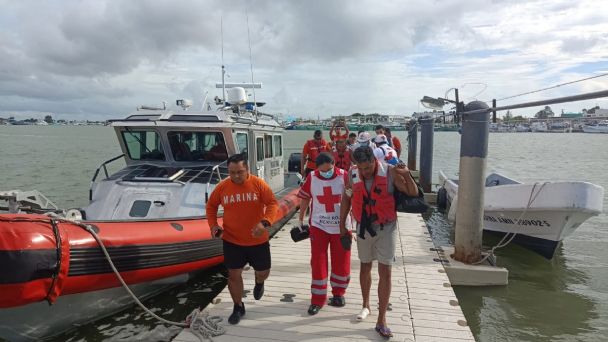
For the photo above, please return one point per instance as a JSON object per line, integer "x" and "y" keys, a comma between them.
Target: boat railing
{"x": 105, "y": 170}
{"x": 216, "y": 168}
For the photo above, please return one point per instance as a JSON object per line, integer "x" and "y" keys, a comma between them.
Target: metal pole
{"x": 457, "y": 103}
{"x": 580, "y": 97}
{"x": 426, "y": 153}
{"x": 494, "y": 111}
{"x": 471, "y": 185}
{"x": 412, "y": 144}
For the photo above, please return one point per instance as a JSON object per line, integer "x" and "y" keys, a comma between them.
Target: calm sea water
{"x": 565, "y": 299}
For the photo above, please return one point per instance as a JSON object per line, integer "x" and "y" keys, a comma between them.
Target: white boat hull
{"x": 557, "y": 211}
{"x": 595, "y": 129}
{"x": 40, "y": 320}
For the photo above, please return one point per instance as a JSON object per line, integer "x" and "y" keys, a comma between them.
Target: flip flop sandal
{"x": 384, "y": 331}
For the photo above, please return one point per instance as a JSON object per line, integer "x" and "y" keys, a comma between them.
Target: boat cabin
{"x": 175, "y": 159}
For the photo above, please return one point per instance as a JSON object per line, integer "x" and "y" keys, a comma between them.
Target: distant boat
{"x": 600, "y": 127}
{"x": 538, "y": 126}
{"x": 445, "y": 128}
{"x": 556, "y": 209}
{"x": 560, "y": 127}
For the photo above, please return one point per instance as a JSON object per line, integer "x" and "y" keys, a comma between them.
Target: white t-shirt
{"x": 385, "y": 153}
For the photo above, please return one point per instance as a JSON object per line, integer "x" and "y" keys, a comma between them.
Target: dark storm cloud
{"x": 62, "y": 51}
{"x": 79, "y": 52}
{"x": 91, "y": 38}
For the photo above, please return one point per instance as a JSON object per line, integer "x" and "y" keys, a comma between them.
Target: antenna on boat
{"x": 223, "y": 67}
{"x": 205, "y": 100}
{"x": 255, "y": 103}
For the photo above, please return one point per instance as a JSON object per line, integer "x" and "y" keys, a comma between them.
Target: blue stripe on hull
{"x": 544, "y": 247}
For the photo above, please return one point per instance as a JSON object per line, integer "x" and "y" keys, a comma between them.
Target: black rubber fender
{"x": 294, "y": 163}
{"x": 442, "y": 198}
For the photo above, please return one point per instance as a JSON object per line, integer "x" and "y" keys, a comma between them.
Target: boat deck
{"x": 423, "y": 304}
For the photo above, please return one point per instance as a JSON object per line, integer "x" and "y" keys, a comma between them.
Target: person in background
{"x": 312, "y": 149}
{"x": 383, "y": 152}
{"x": 395, "y": 142}
{"x": 179, "y": 148}
{"x": 369, "y": 193}
{"x": 381, "y": 130}
{"x": 341, "y": 155}
{"x": 352, "y": 140}
{"x": 218, "y": 151}
{"x": 322, "y": 191}
{"x": 364, "y": 139}
{"x": 249, "y": 210}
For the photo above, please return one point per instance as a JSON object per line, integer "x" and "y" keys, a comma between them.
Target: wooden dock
{"x": 423, "y": 305}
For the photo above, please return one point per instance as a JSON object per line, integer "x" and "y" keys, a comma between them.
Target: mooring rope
{"x": 502, "y": 242}
{"x": 200, "y": 323}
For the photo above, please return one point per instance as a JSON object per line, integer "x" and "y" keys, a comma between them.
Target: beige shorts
{"x": 380, "y": 247}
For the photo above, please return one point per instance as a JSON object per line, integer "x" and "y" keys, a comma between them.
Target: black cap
{"x": 318, "y": 132}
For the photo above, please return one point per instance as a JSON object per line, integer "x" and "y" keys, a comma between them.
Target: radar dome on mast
{"x": 237, "y": 95}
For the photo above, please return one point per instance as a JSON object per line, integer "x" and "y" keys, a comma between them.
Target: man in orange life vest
{"x": 323, "y": 190}
{"x": 341, "y": 155}
{"x": 373, "y": 207}
{"x": 312, "y": 149}
{"x": 249, "y": 211}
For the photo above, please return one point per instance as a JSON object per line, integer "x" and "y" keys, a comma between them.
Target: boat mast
{"x": 223, "y": 67}
{"x": 255, "y": 103}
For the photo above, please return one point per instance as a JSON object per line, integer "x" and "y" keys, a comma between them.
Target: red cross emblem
{"x": 329, "y": 200}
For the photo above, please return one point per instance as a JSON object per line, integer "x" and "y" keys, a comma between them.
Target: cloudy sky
{"x": 100, "y": 59}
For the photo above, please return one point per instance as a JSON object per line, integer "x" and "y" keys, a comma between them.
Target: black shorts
{"x": 236, "y": 256}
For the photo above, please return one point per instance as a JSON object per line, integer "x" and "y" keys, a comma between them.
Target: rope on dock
{"x": 204, "y": 326}
{"x": 502, "y": 242}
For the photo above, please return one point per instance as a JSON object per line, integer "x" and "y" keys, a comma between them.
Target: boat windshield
{"x": 197, "y": 146}
{"x": 143, "y": 145}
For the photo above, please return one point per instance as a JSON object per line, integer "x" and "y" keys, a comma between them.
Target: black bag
{"x": 409, "y": 204}
{"x": 300, "y": 233}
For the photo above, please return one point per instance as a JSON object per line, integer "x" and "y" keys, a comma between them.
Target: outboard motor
{"x": 294, "y": 164}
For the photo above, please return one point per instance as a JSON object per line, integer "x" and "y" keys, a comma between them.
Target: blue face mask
{"x": 328, "y": 174}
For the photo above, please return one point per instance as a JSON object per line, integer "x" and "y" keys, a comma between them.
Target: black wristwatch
{"x": 265, "y": 223}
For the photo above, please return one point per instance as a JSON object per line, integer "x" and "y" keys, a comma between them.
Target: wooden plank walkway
{"x": 423, "y": 305}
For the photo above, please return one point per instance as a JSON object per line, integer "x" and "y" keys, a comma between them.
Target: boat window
{"x": 143, "y": 145}
{"x": 197, "y": 146}
{"x": 140, "y": 209}
{"x": 267, "y": 146}
{"x": 278, "y": 146}
{"x": 241, "y": 142}
{"x": 259, "y": 143}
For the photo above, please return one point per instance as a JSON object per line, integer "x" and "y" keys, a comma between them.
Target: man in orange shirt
{"x": 312, "y": 149}
{"x": 249, "y": 211}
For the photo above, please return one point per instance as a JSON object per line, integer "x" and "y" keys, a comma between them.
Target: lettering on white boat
{"x": 522, "y": 222}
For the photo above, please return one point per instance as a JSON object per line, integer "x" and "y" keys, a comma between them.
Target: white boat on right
{"x": 600, "y": 127}
{"x": 541, "y": 214}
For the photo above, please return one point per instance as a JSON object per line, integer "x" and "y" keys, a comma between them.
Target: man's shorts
{"x": 236, "y": 256}
{"x": 380, "y": 247}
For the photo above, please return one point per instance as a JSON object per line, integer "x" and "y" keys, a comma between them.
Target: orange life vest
{"x": 379, "y": 204}
{"x": 315, "y": 148}
{"x": 342, "y": 159}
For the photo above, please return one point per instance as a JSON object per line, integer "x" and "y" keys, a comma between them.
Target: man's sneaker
{"x": 237, "y": 313}
{"x": 258, "y": 291}
{"x": 313, "y": 309}
{"x": 363, "y": 314}
{"x": 338, "y": 301}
